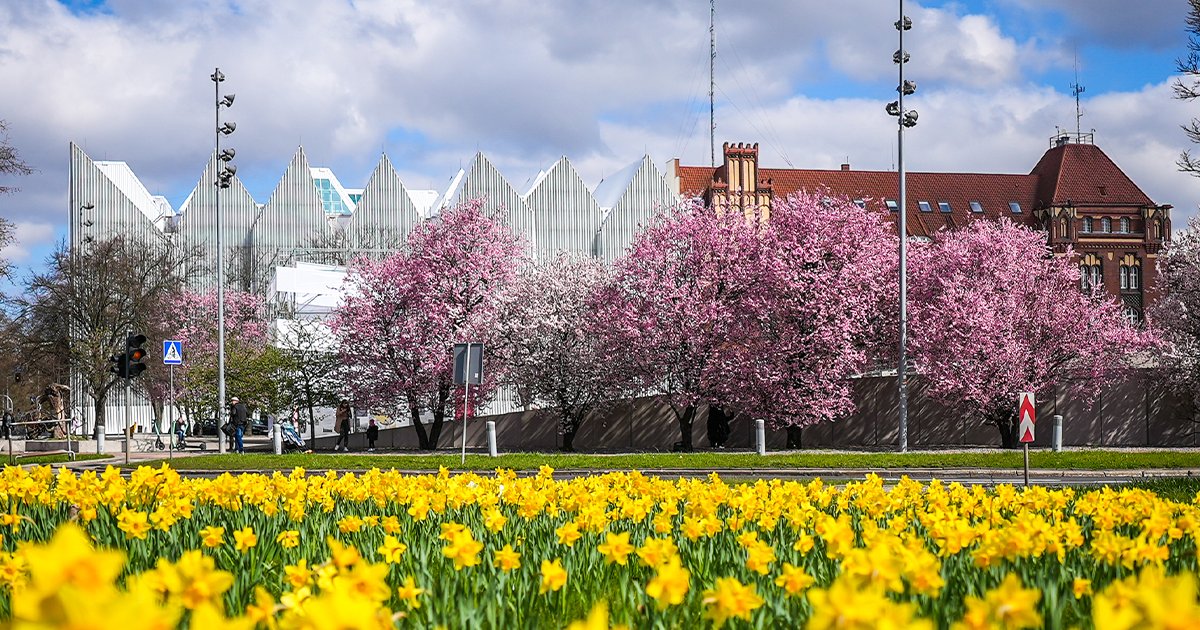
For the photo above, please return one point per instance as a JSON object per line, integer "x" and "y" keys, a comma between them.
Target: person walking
{"x": 341, "y": 424}
{"x": 372, "y": 435}
{"x": 239, "y": 418}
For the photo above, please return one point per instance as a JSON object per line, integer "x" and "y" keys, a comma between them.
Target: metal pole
{"x": 128, "y": 434}
{"x": 171, "y": 422}
{"x": 466, "y": 401}
{"x": 1026, "y": 445}
{"x": 760, "y": 435}
{"x": 902, "y": 366}
{"x": 220, "y": 265}
{"x": 491, "y": 436}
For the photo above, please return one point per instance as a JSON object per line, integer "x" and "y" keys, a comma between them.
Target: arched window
{"x": 1087, "y": 224}
{"x": 1090, "y": 274}
{"x": 1131, "y": 273}
{"x": 1124, "y": 225}
{"x": 1106, "y": 225}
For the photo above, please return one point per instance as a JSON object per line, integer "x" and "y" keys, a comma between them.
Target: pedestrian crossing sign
{"x": 172, "y": 352}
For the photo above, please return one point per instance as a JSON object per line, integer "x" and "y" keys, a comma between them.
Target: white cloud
{"x": 27, "y": 237}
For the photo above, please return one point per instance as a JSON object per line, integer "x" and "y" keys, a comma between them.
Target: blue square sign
{"x": 172, "y": 352}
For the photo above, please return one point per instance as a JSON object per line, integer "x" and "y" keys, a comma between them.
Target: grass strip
{"x": 1047, "y": 460}
{"x": 55, "y": 459}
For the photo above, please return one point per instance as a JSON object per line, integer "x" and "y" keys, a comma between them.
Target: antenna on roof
{"x": 1076, "y": 90}
{"x": 712, "y": 82}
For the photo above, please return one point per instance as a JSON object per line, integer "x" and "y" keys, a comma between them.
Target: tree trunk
{"x": 439, "y": 417}
{"x": 685, "y": 429}
{"x": 414, "y": 412}
{"x": 570, "y": 425}
{"x": 98, "y": 406}
{"x": 794, "y": 437}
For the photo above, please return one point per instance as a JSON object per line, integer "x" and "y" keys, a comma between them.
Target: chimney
{"x": 845, "y": 166}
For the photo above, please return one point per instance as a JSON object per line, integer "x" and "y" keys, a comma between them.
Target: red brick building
{"x": 1075, "y": 193}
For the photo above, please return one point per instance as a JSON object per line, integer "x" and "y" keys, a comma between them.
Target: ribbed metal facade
{"x": 385, "y": 214}
{"x": 565, "y": 214}
{"x": 558, "y": 213}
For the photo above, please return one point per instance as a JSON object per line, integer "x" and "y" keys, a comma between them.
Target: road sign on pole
{"x": 172, "y": 352}
{"x": 1026, "y": 416}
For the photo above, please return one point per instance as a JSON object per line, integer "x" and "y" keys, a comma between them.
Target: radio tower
{"x": 712, "y": 82}
{"x": 1076, "y": 90}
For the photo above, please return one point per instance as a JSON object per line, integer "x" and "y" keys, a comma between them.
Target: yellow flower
{"x": 793, "y": 579}
{"x": 597, "y": 619}
{"x": 463, "y": 549}
{"x": 350, "y": 524}
{"x": 299, "y": 574}
{"x": 730, "y": 599}
{"x": 135, "y": 524}
{"x": 288, "y": 539}
{"x": 670, "y": 584}
{"x": 409, "y": 592}
{"x": 1007, "y": 606}
{"x": 554, "y": 576}
{"x": 262, "y": 610}
{"x": 244, "y": 539}
{"x": 1081, "y": 587}
{"x": 494, "y": 520}
{"x": 657, "y": 551}
{"x": 212, "y": 536}
{"x": 392, "y": 549}
{"x": 616, "y": 548}
{"x": 568, "y": 534}
{"x": 506, "y": 559}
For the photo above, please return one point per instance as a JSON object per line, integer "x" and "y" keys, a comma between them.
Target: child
{"x": 372, "y": 435}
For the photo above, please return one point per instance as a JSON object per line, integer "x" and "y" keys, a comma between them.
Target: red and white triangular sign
{"x": 1027, "y": 414}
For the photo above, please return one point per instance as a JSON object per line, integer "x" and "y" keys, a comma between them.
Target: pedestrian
{"x": 341, "y": 424}
{"x": 372, "y": 435}
{"x": 239, "y": 418}
{"x": 180, "y": 433}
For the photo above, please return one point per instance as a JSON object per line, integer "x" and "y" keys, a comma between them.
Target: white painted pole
{"x": 171, "y": 421}
{"x": 491, "y": 437}
{"x": 277, "y": 437}
{"x": 466, "y": 401}
{"x": 1057, "y": 433}
{"x": 760, "y": 433}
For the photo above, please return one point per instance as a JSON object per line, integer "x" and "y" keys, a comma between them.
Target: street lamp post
{"x": 904, "y": 119}
{"x": 225, "y": 173}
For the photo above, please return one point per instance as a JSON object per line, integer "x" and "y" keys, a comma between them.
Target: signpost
{"x": 172, "y": 356}
{"x": 468, "y": 370}
{"x": 1026, "y": 421}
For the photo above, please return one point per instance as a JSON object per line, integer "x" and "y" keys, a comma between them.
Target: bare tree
{"x": 10, "y": 160}
{"x": 314, "y": 366}
{"x": 78, "y": 311}
{"x": 1187, "y": 87}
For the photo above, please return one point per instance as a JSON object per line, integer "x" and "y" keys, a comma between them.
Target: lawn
{"x": 1067, "y": 460}
{"x": 56, "y": 458}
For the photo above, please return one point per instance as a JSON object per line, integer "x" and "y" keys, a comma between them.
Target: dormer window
{"x": 924, "y": 206}
{"x": 944, "y": 206}
{"x": 1014, "y": 207}
{"x": 891, "y": 204}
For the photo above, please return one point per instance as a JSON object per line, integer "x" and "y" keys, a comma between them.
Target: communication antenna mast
{"x": 1076, "y": 90}
{"x": 712, "y": 82}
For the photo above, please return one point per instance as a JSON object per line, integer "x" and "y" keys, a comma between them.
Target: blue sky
{"x": 600, "y": 81}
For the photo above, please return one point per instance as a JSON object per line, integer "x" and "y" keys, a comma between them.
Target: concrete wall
{"x": 1135, "y": 412}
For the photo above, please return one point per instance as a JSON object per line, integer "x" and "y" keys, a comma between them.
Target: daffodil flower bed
{"x": 384, "y": 550}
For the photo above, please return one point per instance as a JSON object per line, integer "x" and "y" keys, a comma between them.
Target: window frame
{"x": 924, "y": 206}
{"x": 1015, "y": 207}
{"x": 892, "y": 205}
{"x": 976, "y": 207}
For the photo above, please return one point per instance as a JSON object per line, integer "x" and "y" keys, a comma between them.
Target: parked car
{"x": 258, "y": 426}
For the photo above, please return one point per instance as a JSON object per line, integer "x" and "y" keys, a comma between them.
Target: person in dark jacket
{"x": 341, "y": 424}
{"x": 239, "y": 417}
{"x": 372, "y": 434}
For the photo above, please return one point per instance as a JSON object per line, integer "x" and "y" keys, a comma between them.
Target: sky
{"x": 603, "y": 82}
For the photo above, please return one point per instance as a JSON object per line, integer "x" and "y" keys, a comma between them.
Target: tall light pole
{"x": 225, "y": 173}
{"x": 904, "y": 119}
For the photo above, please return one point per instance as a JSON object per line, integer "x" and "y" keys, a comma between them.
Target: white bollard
{"x": 491, "y": 437}
{"x": 760, "y": 432}
{"x": 277, "y": 438}
{"x": 1057, "y": 433}
{"x": 100, "y": 441}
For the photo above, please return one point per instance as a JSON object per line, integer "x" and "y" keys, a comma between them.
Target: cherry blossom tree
{"x": 551, "y": 344}
{"x": 679, "y": 296}
{"x": 250, "y": 366}
{"x": 825, "y": 309}
{"x": 994, "y": 313}
{"x": 402, "y": 315}
{"x": 1176, "y": 313}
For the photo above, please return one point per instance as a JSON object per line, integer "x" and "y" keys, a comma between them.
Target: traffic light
{"x": 129, "y": 364}
{"x": 134, "y": 353}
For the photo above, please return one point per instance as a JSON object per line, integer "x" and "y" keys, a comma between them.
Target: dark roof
{"x": 1065, "y": 172}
